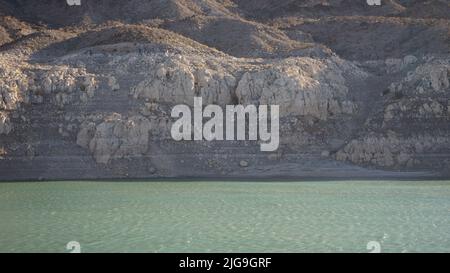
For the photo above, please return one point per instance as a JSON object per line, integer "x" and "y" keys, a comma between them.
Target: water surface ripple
{"x": 225, "y": 216}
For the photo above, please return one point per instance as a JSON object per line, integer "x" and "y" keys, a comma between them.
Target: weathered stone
{"x": 113, "y": 84}
{"x": 390, "y": 151}
{"x": 152, "y": 170}
{"x": 325, "y": 101}
{"x": 243, "y": 164}
{"x": 429, "y": 77}
{"x": 5, "y": 125}
{"x": 178, "y": 81}
{"x": 301, "y": 87}
{"x": 118, "y": 138}
{"x": 86, "y": 134}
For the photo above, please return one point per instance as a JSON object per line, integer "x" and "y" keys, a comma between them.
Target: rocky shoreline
{"x": 87, "y": 95}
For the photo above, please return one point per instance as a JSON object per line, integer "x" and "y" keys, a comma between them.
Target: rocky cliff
{"x": 86, "y": 91}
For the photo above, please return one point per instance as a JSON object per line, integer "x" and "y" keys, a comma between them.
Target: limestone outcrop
{"x": 115, "y": 137}
{"x": 415, "y": 121}
{"x": 422, "y": 94}
{"x": 301, "y": 86}
{"x": 430, "y": 77}
{"x": 12, "y": 85}
{"x": 177, "y": 80}
{"x": 393, "y": 151}
{"x": 63, "y": 85}
{"x": 88, "y": 92}
{"x": 5, "y": 126}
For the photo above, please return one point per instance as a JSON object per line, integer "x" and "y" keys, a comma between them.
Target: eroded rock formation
{"x": 362, "y": 91}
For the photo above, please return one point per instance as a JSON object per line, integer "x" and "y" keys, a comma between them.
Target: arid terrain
{"x": 86, "y": 91}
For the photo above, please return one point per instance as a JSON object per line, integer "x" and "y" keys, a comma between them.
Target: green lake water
{"x": 342, "y": 216}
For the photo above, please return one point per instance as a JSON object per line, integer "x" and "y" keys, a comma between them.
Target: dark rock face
{"x": 86, "y": 91}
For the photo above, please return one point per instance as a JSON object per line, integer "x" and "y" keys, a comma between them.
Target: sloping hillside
{"x": 87, "y": 91}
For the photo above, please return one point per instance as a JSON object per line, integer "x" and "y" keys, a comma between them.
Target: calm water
{"x": 225, "y": 216}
